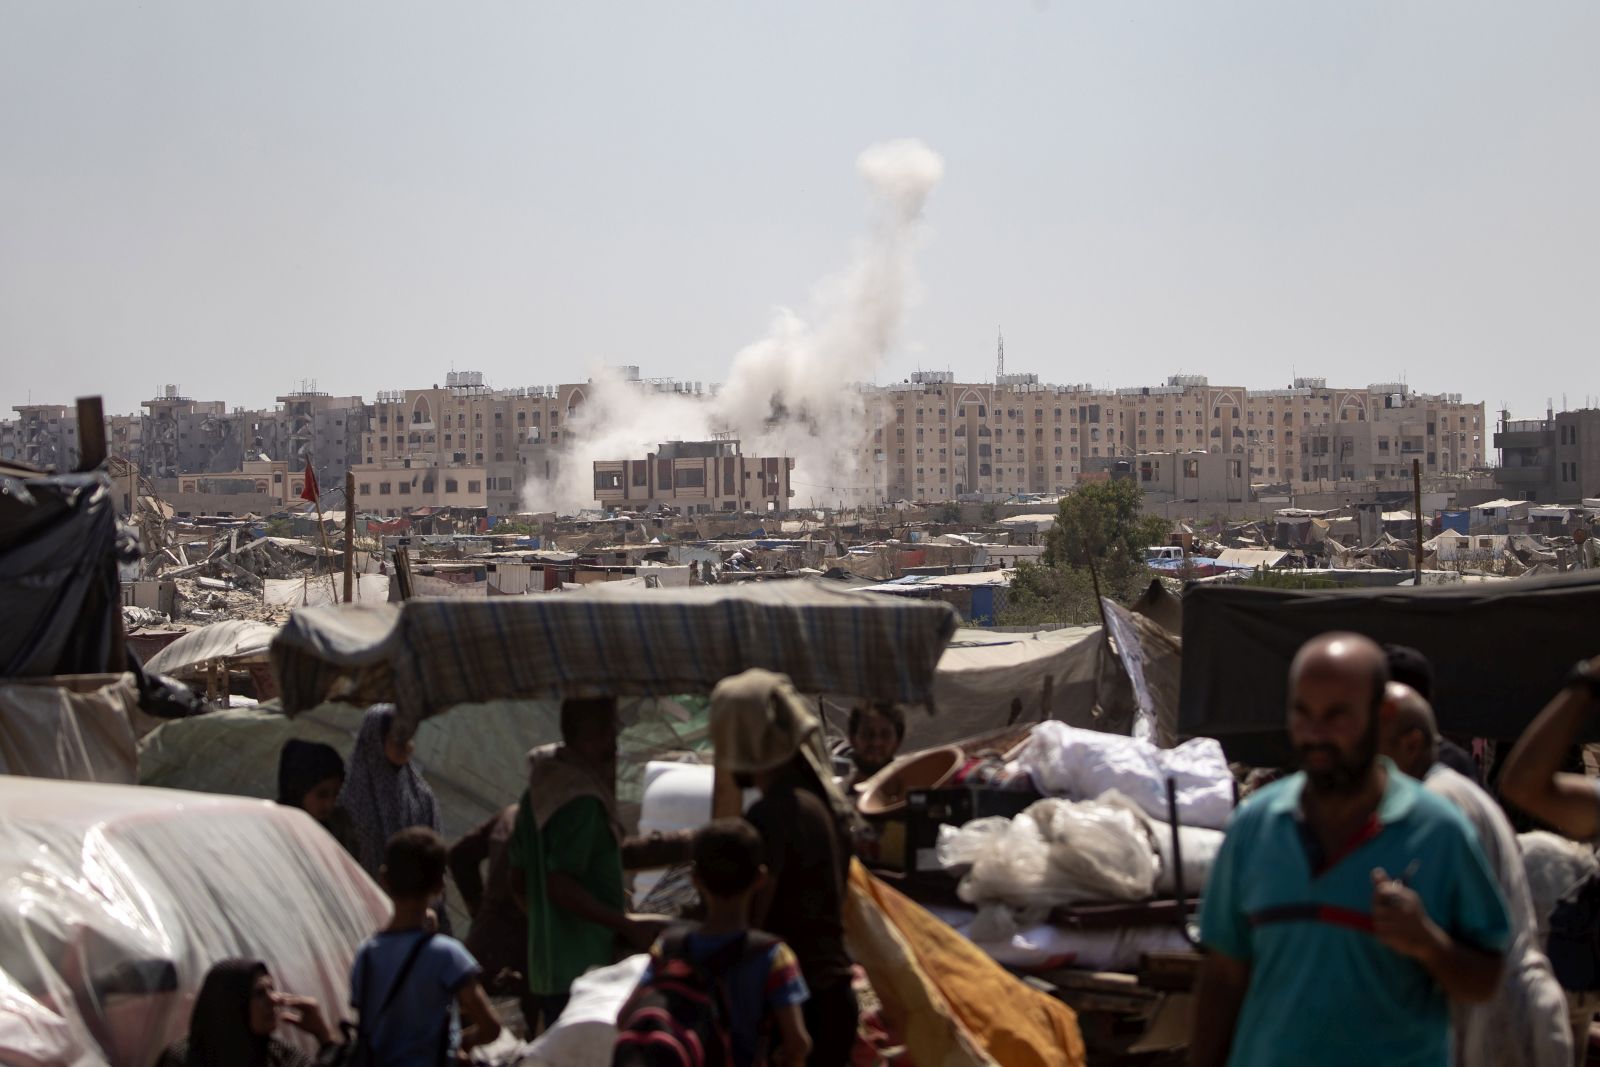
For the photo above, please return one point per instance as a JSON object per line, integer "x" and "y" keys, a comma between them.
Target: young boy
{"x": 764, "y": 990}
{"x": 407, "y": 981}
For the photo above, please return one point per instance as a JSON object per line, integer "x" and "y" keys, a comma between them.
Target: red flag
{"x": 310, "y": 492}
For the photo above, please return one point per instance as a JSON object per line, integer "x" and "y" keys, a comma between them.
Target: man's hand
{"x": 1400, "y": 922}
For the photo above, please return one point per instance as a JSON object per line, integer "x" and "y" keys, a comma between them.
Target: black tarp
{"x": 59, "y": 594}
{"x": 1500, "y": 651}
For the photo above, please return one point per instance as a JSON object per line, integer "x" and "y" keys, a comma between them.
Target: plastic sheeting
{"x": 59, "y": 550}
{"x": 1064, "y": 761}
{"x": 52, "y": 731}
{"x": 1238, "y": 642}
{"x": 474, "y": 759}
{"x": 1056, "y": 852}
{"x": 115, "y": 901}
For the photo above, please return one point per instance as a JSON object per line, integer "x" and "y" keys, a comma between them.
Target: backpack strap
{"x": 400, "y": 978}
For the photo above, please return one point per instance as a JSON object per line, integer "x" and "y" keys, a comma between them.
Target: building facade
{"x": 936, "y": 439}
{"x": 1554, "y": 460}
{"x": 695, "y": 477}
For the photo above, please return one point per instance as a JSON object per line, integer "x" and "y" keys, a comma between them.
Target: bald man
{"x": 1348, "y": 906}
{"x": 1525, "y": 1024}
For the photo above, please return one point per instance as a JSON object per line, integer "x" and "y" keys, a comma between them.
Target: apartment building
{"x": 934, "y": 438}
{"x": 47, "y": 435}
{"x": 399, "y": 487}
{"x": 696, "y": 477}
{"x": 1554, "y": 460}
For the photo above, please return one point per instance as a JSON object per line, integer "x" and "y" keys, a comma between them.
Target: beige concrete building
{"x": 398, "y": 487}
{"x": 696, "y": 477}
{"x": 934, "y": 439}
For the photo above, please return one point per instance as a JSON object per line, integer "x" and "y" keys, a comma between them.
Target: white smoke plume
{"x": 789, "y": 393}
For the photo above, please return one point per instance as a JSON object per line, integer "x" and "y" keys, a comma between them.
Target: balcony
{"x": 1515, "y": 437}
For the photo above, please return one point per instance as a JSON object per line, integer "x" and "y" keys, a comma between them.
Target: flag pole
{"x": 315, "y": 490}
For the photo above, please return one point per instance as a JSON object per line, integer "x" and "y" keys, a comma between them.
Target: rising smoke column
{"x": 789, "y": 393}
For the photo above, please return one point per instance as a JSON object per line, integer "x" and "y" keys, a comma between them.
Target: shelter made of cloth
{"x": 1498, "y": 651}
{"x": 430, "y": 655}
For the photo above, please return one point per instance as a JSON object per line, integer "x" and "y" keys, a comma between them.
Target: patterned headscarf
{"x": 383, "y": 799}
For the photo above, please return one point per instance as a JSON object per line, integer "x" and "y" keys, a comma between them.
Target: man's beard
{"x": 1348, "y": 772}
{"x": 867, "y": 768}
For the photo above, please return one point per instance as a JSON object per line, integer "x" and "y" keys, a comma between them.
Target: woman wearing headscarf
{"x": 765, "y": 734}
{"x": 310, "y": 776}
{"x": 383, "y": 792}
{"x": 234, "y": 1018}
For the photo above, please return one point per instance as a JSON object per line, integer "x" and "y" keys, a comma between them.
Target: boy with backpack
{"x": 407, "y": 982}
{"x": 718, "y": 994}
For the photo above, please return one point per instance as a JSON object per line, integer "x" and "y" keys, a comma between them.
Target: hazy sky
{"x": 234, "y": 197}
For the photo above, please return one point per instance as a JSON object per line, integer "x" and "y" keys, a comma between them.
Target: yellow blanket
{"x": 954, "y": 1006}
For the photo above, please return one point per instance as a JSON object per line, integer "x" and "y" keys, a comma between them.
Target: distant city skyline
{"x": 234, "y": 198}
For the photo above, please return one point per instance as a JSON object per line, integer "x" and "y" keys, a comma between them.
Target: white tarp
{"x": 116, "y": 900}
{"x": 231, "y": 639}
{"x": 51, "y": 731}
{"x": 307, "y": 592}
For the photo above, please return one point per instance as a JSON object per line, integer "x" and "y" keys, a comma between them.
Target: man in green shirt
{"x": 566, "y": 857}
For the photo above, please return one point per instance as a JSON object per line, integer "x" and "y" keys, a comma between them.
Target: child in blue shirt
{"x": 407, "y": 982}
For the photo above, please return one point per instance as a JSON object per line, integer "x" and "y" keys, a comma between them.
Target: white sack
{"x": 586, "y": 1033}
{"x": 1056, "y": 852}
{"x": 1066, "y": 761}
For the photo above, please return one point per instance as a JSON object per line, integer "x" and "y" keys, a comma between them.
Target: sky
{"x": 241, "y": 197}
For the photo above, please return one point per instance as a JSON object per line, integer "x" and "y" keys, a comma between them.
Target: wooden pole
{"x": 1416, "y": 501}
{"x": 349, "y": 535}
{"x": 322, "y": 532}
{"x": 402, "y": 571}
{"x": 91, "y": 433}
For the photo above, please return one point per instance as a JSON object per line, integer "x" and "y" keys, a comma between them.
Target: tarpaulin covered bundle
{"x": 429, "y": 655}
{"x": 116, "y": 900}
{"x": 1498, "y": 651}
{"x": 58, "y": 574}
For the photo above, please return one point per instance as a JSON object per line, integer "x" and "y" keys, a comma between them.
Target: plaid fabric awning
{"x": 429, "y": 655}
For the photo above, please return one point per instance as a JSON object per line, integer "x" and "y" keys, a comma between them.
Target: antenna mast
{"x": 1000, "y": 356}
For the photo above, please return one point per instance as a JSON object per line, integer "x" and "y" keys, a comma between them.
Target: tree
{"x": 1104, "y": 522}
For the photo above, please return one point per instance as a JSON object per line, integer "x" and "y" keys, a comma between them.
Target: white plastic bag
{"x": 1056, "y": 852}
{"x": 1066, "y": 761}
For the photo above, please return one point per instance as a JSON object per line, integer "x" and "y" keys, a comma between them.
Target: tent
{"x": 1499, "y": 651}
{"x": 115, "y": 908}
{"x": 428, "y": 655}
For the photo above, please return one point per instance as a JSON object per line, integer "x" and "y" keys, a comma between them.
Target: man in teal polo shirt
{"x": 1348, "y": 905}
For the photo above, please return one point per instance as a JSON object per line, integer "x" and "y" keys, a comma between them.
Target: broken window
{"x": 607, "y": 480}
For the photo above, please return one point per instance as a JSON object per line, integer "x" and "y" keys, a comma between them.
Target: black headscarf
{"x": 304, "y": 765}
{"x": 219, "y": 1030}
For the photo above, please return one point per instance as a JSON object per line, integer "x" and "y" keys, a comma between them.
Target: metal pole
{"x": 349, "y": 535}
{"x": 1416, "y": 500}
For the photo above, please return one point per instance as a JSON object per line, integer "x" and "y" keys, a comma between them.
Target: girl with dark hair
{"x": 310, "y": 776}
{"x": 234, "y": 1018}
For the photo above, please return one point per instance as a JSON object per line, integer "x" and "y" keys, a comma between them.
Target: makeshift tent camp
{"x": 115, "y": 907}
{"x": 429, "y": 655}
{"x": 1499, "y": 651}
